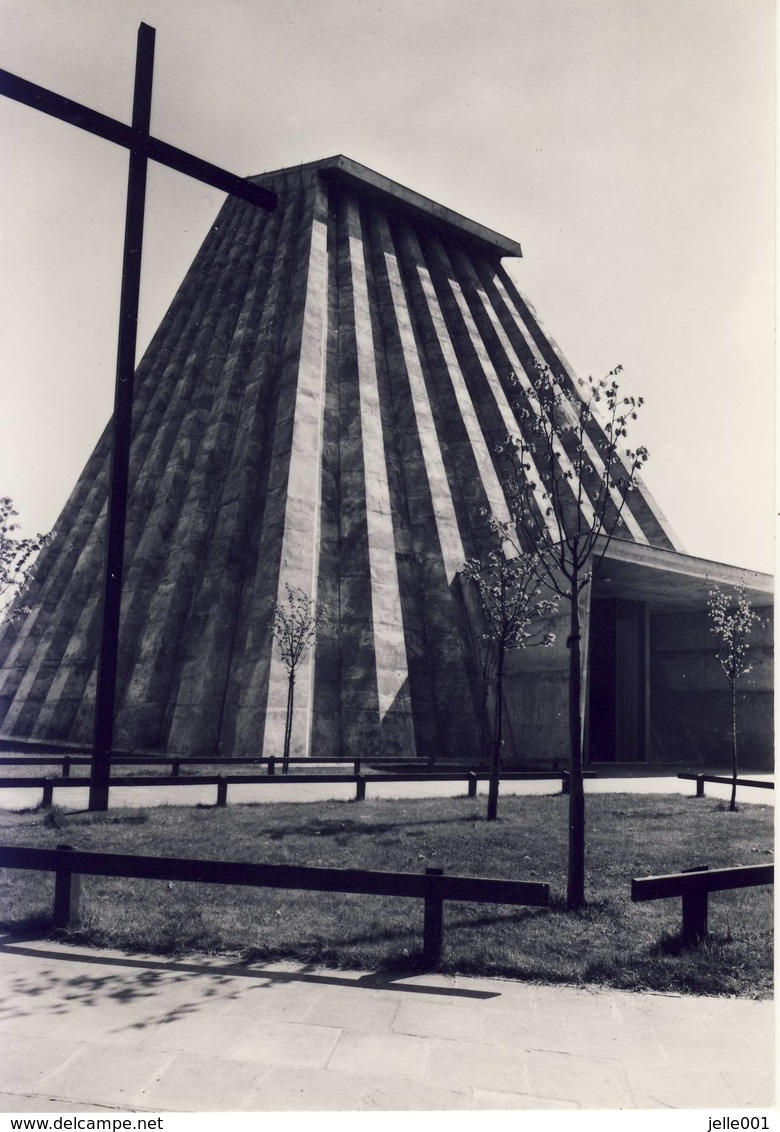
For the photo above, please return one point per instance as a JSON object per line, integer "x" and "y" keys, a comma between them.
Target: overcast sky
{"x": 628, "y": 145}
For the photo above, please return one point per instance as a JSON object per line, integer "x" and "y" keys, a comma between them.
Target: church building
{"x": 320, "y": 408}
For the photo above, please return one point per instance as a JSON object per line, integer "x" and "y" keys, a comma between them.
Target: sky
{"x": 627, "y": 144}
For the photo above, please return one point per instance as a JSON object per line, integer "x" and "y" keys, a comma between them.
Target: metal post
{"x": 473, "y": 781}
{"x": 271, "y": 765}
{"x": 433, "y": 922}
{"x": 175, "y": 768}
{"x": 66, "y": 767}
{"x": 221, "y": 791}
{"x": 360, "y": 791}
{"x": 699, "y": 785}
{"x": 356, "y": 767}
{"x": 67, "y": 889}
{"x": 48, "y": 793}
{"x": 122, "y": 422}
{"x": 565, "y": 782}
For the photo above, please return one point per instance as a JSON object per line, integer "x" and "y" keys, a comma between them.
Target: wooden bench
{"x": 433, "y": 886}
{"x": 222, "y": 781}
{"x": 700, "y": 779}
{"x": 694, "y": 886}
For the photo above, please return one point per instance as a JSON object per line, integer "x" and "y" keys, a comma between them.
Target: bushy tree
{"x": 733, "y": 625}
{"x": 17, "y": 558}
{"x": 294, "y": 626}
{"x": 568, "y": 475}
{"x": 513, "y": 611}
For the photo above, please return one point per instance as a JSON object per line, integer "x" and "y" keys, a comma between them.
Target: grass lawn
{"x": 613, "y": 941}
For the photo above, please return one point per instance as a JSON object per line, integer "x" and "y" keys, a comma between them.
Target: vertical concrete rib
{"x": 327, "y": 737}
{"x": 300, "y": 541}
{"x": 387, "y": 618}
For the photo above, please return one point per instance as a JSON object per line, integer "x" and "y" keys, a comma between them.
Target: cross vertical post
{"x": 143, "y": 148}
{"x": 122, "y": 421}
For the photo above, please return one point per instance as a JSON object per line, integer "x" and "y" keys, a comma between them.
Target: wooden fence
{"x": 433, "y": 886}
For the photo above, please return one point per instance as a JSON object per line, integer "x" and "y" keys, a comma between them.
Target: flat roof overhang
{"x": 346, "y": 173}
{"x": 669, "y": 581}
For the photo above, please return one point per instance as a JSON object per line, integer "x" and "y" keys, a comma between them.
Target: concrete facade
{"x": 320, "y": 408}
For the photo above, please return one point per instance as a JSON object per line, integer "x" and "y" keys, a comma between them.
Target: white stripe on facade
{"x": 387, "y": 618}
{"x": 301, "y": 538}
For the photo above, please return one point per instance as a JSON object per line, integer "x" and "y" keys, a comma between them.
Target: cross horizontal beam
{"x": 84, "y": 118}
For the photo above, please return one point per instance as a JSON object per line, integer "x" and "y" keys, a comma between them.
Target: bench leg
{"x": 433, "y": 925}
{"x": 694, "y": 910}
{"x": 67, "y": 889}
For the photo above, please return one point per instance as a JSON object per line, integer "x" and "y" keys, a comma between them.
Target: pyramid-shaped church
{"x": 320, "y": 408}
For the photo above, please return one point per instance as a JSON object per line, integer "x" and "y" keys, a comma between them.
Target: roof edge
{"x": 344, "y": 171}
{"x": 702, "y": 569}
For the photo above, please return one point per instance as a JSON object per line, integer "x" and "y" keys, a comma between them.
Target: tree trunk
{"x": 288, "y": 723}
{"x": 575, "y": 894}
{"x": 733, "y": 802}
{"x": 495, "y": 756}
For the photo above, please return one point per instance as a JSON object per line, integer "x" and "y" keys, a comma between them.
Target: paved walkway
{"x": 83, "y": 1031}
{"x": 277, "y": 790}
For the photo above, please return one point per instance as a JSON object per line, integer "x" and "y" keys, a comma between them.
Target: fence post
{"x": 272, "y": 764}
{"x": 699, "y": 785}
{"x": 66, "y": 767}
{"x": 67, "y": 889}
{"x": 472, "y": 781}
{"x": 48, "y": 793}
{"x": 565, "y": 782}
{"x": 694, "y": 910}
{"x": 175, "y": 767}
{"x": 221, "y": 791}
{"x": 433, "y": 922}
{"x": 356, "y": 767}
{"x": 360, "y": 791}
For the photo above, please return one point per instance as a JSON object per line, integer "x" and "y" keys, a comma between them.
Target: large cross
{"x": 142, "y": 147}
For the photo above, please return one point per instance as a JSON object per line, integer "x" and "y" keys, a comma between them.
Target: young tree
{"x": 509, "y": 596}
{"x": 294, "y": 627}
{"x": 733, "y": 627}
{"x": 17, "y": 558}
{"x": 569, "y": 474}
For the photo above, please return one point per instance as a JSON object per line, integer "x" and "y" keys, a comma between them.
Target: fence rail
{"x": 694, "y": 886}
{"x": 433, "y": 886}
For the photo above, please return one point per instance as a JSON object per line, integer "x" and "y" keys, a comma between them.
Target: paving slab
{"x": 84, "y": 1030}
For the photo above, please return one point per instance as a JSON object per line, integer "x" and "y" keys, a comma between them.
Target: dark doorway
{"x": 617, "y": 709}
